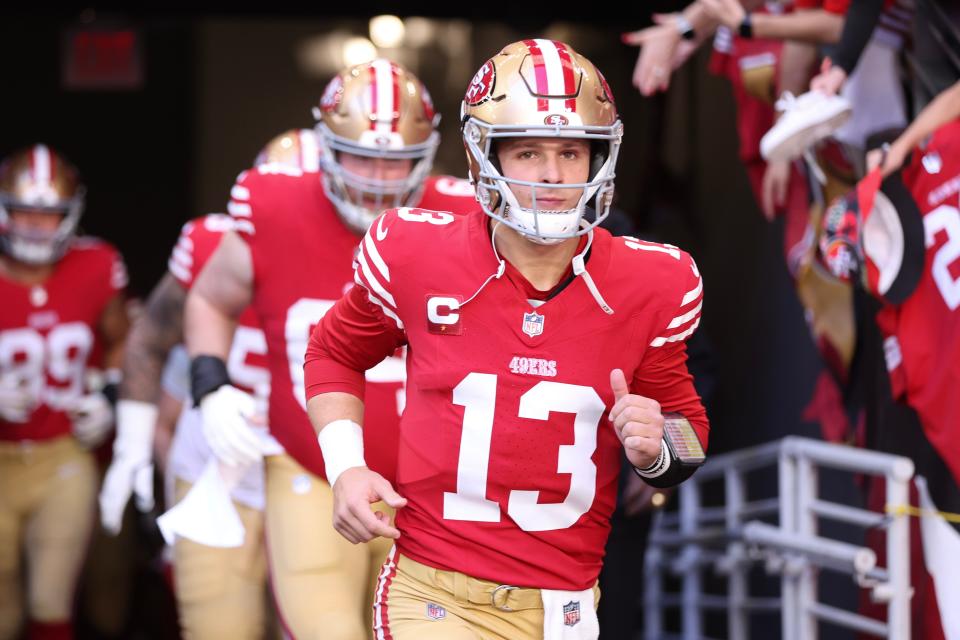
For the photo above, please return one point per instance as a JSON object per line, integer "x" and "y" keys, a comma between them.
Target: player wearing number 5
{"x": 289, "y": 258}
{"x": 540, "y": 350}
{"x": 61, "y": 312}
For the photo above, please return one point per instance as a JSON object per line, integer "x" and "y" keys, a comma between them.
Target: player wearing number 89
{"x": 61, "y": 312}
{"x": 290, "y": 258}
{"x": 540, "y": 350}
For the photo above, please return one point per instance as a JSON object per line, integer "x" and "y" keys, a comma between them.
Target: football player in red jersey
{"x": 62, "y": 308}
{"x": 540, "y": 349}
{"x": 220, "y": 590}
{"x": 290, "y": 258}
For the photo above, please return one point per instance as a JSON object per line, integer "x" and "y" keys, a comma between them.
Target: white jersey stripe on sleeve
{"x": 378, "y": 262}
{"x": 693, "y": 294}
{"x": 179, "y": 272}
{"x": 239, "y": 209}
{"x": 244, "y": 226}
{"x": 239, "y": 192}
{"x": 184, "y": 258}
{"x": 372, "y": 281}
{"x": 685, "y": 318}
{"x": 660, "y": 341}
{"x": 377, "y": 301}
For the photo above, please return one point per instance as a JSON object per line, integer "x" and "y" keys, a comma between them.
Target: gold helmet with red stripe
{"x": 377, "y": 109}
{"x": 544, "y": 89}
{"x": 38, "y": 179}
{"x": 295, "y": 148}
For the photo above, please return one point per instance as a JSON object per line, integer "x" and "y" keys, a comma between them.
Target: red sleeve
{"x": 352, "y": 337}
{"x": 198, "y": 240}
{"x": 663, "y": 376}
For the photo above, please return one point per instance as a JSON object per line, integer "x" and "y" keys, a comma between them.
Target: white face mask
{"x": 542, "y": 226}
{"x": 348, "y": 191}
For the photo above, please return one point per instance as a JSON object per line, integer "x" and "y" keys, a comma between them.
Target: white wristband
{"x": 341, "y": 443}
{"x": 660, "y": 466}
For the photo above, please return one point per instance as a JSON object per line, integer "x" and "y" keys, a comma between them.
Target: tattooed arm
{"x": 155, "y": 332}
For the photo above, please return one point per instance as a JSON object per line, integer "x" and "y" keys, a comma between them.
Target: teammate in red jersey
{"x": 922, "y": 335}
{"x": 291, "y": 258}
{"x": 62, "y": 310}
{"x": 540, "y": 350}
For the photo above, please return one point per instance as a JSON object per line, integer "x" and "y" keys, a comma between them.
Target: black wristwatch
{"x": 685, "y": 27}
{"x": 746, "y": 27}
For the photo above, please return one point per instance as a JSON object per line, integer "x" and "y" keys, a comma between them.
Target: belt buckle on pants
{"x": 506, "y": 594}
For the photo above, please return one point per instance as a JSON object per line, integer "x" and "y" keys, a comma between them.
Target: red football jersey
{"x": 247, "y": 361}
{"x": 922, "y": 344}
{"x": 507, "y": 457}
{"x": 49, "y": 332}
{"x": 303, "y": 263}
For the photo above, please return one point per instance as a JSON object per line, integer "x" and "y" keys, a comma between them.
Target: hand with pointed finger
{"x": 355, "y": 490}
{"x": 637, "y": 421}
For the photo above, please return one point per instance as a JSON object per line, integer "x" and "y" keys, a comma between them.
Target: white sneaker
{"x": 806, "y": 120}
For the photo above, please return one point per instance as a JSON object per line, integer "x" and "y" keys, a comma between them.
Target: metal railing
{"x": 730, "y": 540}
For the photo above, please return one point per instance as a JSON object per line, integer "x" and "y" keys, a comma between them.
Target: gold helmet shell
{"x": 377, "y": 109}
{"x": 540, "y": 88}
{"x": 39, "y": 179}
{"x": 296, "y": 148}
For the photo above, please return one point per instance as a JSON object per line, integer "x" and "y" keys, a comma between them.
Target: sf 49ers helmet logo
{"x": 332, "y": 95}
{"x": 556, "y": 119}
{"x": 482, "y": 85}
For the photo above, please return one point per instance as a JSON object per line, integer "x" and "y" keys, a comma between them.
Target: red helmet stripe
{"x": 374, "y": 102}
{"x": 395, "y": 112}
{"x": 540, "y": 72}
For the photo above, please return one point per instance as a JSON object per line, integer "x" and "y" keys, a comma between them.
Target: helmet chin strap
{"x": 579, "y": 270}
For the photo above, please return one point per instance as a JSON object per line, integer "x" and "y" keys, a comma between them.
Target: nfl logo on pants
{"x": 435, "y": 611}
{"x": 571, "y": 613}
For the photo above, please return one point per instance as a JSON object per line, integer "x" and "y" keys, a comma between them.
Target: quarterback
{"x": 540, "y": 350}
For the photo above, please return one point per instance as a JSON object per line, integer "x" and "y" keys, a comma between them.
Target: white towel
{"x": 206, "y": 514}
{"x": 569, "y": 615}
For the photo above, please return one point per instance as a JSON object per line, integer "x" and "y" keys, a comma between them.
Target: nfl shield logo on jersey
{"x": 571, "y": 613}
{"x": 532, "y": 324}
{"x": 435, "y": 611}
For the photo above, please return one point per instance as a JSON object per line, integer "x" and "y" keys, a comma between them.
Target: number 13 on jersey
{"x": 477, "y": 394}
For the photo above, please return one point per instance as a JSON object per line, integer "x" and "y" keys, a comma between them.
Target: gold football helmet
{"x": 295, "y": 148}
{"x": 39, "y": 179}
{"x": 377, "y": 110}
{"x": 540, "y": 88}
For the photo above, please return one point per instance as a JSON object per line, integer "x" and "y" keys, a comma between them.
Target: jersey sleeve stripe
{"x": 182, "y": 257}
{"x": 244, "y": 226}
{"x": 660, "y": 340}
{"x": 378, "y": 262}
{"x": 693, "y": 294}
{"x": 374, "y": 284}
{"x": 377, "y": 301}
{"x": 181, "y": 274}
{"x": 239, "y": 209}
{"x": 240, "y": 192}
{"x": 685, "y": 318}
